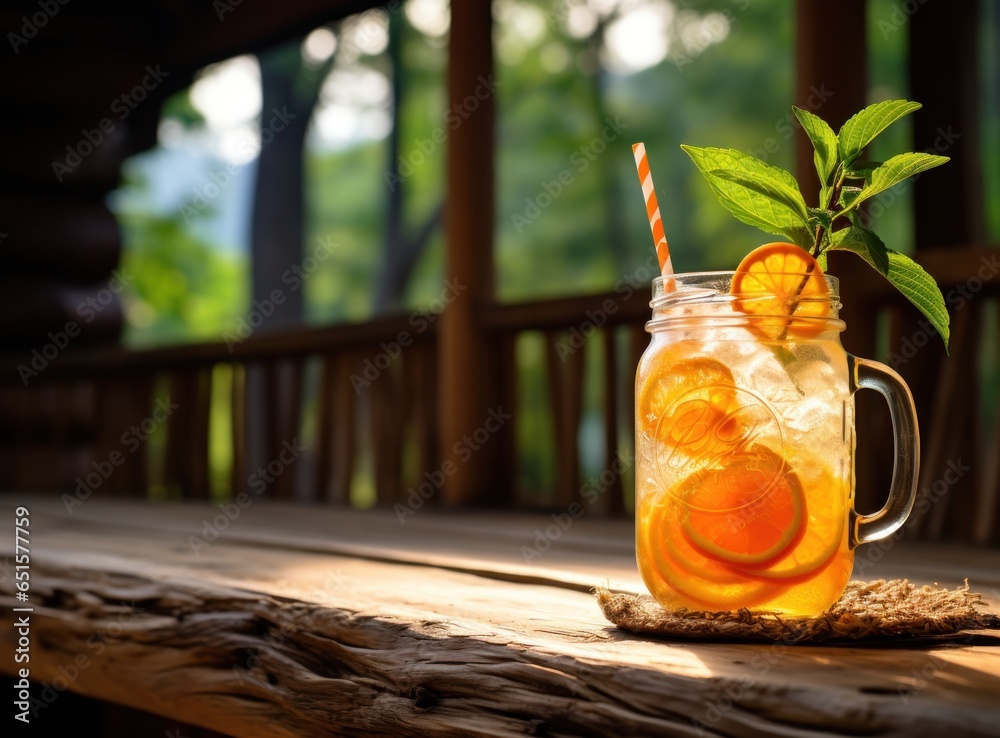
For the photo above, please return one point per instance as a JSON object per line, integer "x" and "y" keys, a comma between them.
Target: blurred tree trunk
{"x": 289, "y": 92}
{"x": 278, "y": 225}
{"x": 399, "y": 252}
{"x": 614, "y": 223}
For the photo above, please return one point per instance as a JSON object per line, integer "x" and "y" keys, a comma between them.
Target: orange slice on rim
{"x": 683, "y": 400}
{"x": 749, "y": 513}
{"x": 782, "y": 279}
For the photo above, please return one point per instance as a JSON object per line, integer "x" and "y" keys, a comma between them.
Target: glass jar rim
{"x": 675, "y": 296}
{"x": 832, "y": 281}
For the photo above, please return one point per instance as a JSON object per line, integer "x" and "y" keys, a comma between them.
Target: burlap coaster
{"x": 877, "y": 610}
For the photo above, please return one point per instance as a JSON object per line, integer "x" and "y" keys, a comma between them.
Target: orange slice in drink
{"x": 747, "y": 513}
{"x": 779, "y": 279}
{"x": 688, "y": 558}
{"x": 825, "y": 529}
{"x": 684, "y": 399}
{"x": 699, "y": 589}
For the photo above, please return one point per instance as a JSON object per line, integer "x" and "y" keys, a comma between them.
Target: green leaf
{"x": 903, "y": 273}
{"x": 748, "y": 204}
{"x": 824, "y": 142}
{"x": 819, "y": 217}
{"x": 848, "y": 194}
{"x": 862, "y": 242}
{"x": 859, "y": 131}
{"x": 895, "y": 170}
{"x": 858, "y": 173}
{"x": 772, "y": 188}
{"x": 919, "y": 287}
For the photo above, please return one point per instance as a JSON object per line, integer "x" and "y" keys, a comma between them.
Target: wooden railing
{"x": 347, "y": 414}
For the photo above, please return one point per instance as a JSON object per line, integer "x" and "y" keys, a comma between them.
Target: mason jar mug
{"x": 745, "y": 444}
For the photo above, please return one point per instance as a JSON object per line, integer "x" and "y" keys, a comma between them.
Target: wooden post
{"x": 828, "y": 82}
{"x": 469, "y": 357}
{"x": 833, "y": 85}
{"x": 947, "y": 211}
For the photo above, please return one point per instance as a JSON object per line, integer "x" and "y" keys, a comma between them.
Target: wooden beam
{"x": 944, "y": 77}
{"x": 828, "y": 82}
{"x": 469, "y": 356}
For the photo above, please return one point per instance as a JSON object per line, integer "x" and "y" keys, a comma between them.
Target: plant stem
{"x": 814, "y": 252}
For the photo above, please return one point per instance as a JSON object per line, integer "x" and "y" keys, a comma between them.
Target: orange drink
{"x": 745, "y": 442}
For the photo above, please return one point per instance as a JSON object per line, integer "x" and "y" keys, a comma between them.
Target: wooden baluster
{"x": 290, "y": 423}
{"x": 324, "y": 429}
{"x": 186, "y": 464}
{"x": 136, "y": 468}
{"x": 987, "y": 529}
{"x": 383, "y": 422}
{"x": 270, "y": 432}
{"x": 344, "y": 427}
{"x": 954, "y": 515}
{"x": 238, "y": 473}
{"x": 510, "y": 385}
{"x": 614, "y": 496}
{"x": 420, "y": 367}
{"x": 565, "y": 397}
{"x": 946, "y": 435}
{"x": 282, "y": 414}
{"x": 200, "y": 418}
{"x": 175, "y": 463}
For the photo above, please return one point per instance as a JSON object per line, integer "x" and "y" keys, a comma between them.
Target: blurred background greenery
{"x": 705, "y": 72}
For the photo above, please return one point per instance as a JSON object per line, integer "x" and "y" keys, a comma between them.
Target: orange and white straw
{"x": 652, "y": 209}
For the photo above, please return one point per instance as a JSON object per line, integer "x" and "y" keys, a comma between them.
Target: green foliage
{"x": 894, "y": 171}
{"x": 755, "y": 192}
{"x": 824, "y": 142}
{"x": 919, "y": 288}
{"x": 182, "y": 289}
{"x": 769, "y": 198}
{"x": 862, "y": 128}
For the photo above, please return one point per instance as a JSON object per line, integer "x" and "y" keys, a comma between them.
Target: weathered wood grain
{"x": 320, "y": 622}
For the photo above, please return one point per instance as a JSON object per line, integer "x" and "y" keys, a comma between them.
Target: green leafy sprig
{"x": 769, "y": 198}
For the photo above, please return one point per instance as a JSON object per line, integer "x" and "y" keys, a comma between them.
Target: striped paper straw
{"x": 652, "y": 209}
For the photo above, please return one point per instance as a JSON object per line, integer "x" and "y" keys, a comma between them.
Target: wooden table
{"x": 306, "y": 621}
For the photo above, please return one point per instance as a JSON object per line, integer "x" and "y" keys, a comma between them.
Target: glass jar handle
{"x": 867, "y": 374}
